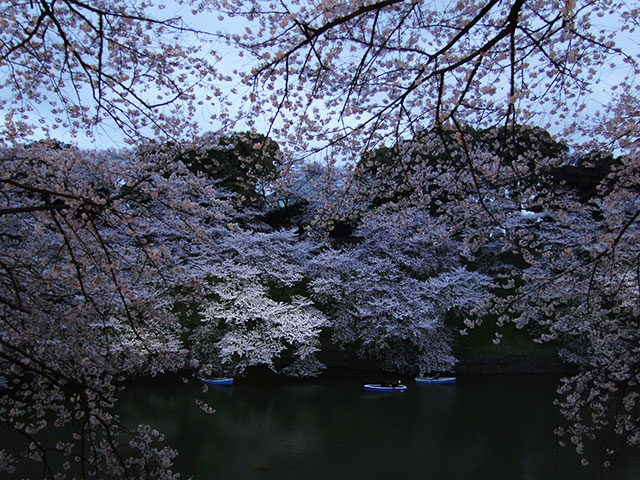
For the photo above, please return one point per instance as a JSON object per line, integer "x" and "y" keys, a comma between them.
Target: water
{"x": 483, "y": 427}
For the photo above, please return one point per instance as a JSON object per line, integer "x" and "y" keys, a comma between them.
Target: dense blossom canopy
{"x": 91, "y": 264}
{"x": 68, "y": 66}
{"x": 351, "y": 74}
{"x": 440, "y": 177}
{"x": 389, "y": 295}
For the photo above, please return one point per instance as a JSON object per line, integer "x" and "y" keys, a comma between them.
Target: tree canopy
{"x": 465, "y": 143}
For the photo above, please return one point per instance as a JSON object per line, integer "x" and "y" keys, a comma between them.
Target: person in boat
{"x": 394, "y": 384}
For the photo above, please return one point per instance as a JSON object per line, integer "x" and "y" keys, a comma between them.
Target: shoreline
{"x": 512, "y": 365}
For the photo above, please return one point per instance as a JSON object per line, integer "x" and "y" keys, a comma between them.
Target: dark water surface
{"x": 483, "y": 427}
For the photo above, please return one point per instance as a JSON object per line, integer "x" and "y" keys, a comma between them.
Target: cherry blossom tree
{"x": 97, "y": 247}
{"x": 351, "y": 74}
{"x": 388, "y": 297}
{"x": 244, "y": 327}
{"x": 256, "y": 312}
{"x": 71, "y": 65}
{"x": 580, "y": 289}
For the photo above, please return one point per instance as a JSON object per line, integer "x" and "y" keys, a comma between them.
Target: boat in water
{"x": 435, "y": 379}
{"x": 385, "y": 387}
{"x": 217, "y": 381}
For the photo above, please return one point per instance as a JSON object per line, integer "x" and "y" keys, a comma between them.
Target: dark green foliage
{"x": 378, "y": 173}
{"x": 286, "y": 216}
{"x": 514, "y": 145}
{"x": 587, "y": 173}
{"x": 245, "y": 163}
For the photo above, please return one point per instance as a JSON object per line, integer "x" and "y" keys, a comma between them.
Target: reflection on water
{"x": 495, "y": 427}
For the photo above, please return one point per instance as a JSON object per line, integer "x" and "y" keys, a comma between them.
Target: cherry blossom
{"x": 389, "y": 295}
{"x": 252, "y": 314}
{"x": 91, "y": 266}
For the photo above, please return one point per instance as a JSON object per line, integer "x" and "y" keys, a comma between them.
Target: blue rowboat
{"x": 217, "y": 381}
{"x": 435, "y": 379}
{"x": 381, "y": 387}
